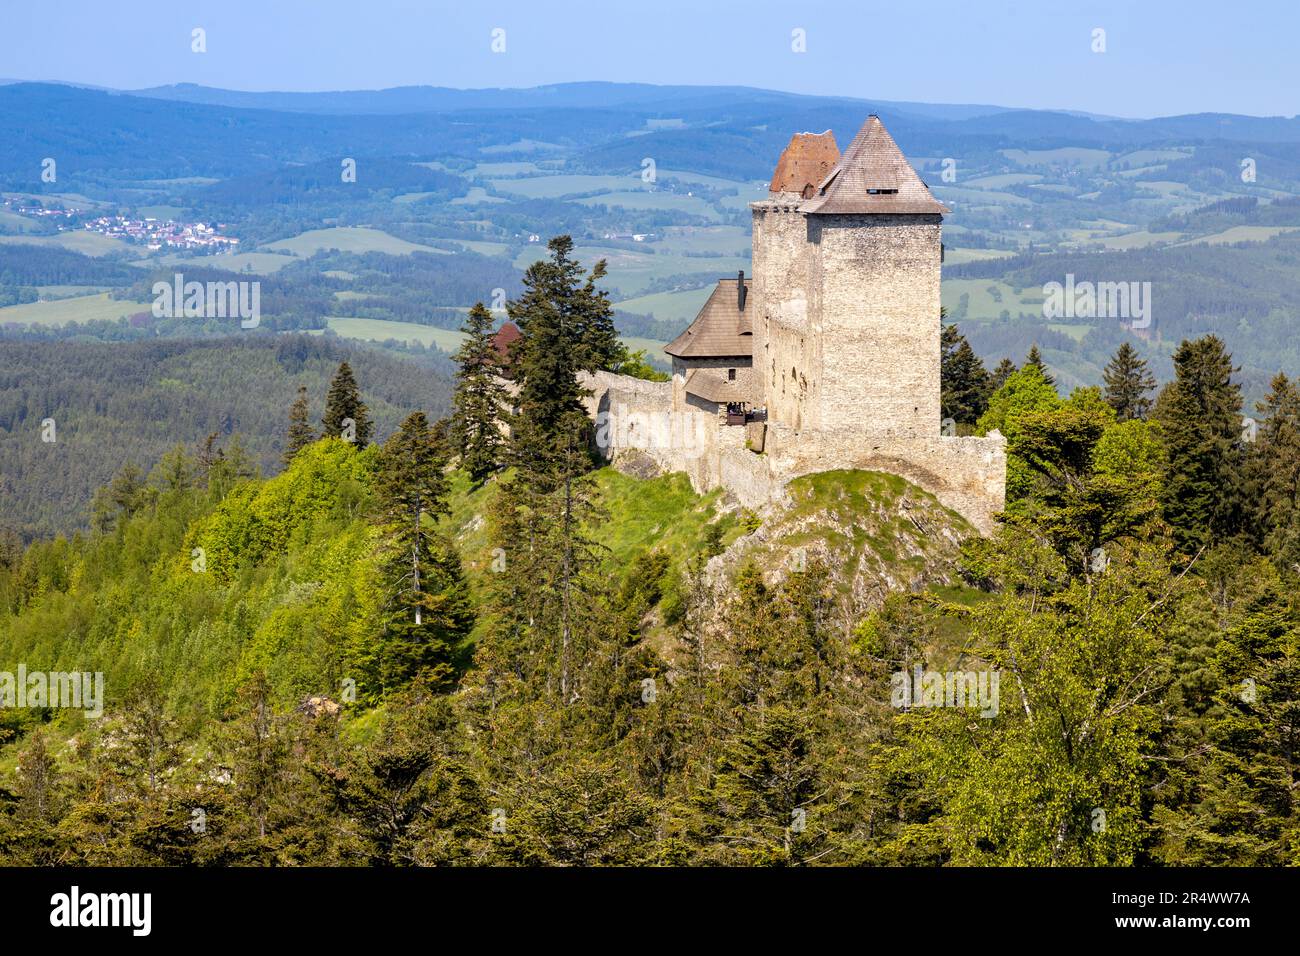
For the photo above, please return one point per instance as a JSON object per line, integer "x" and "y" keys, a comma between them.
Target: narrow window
{"x": 731, "y": 375}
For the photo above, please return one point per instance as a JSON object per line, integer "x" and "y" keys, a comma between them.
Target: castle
{"x": 827, "y": 357}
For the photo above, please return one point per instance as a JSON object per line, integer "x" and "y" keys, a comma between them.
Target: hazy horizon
{"x": 1160, "y": 59}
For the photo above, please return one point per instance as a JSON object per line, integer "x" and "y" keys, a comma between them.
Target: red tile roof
{"x": 505, "y": 337}
{"x": 805, "y": 163}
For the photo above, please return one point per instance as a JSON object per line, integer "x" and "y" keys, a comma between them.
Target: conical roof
{"x": 873, "y": 176}
{"x": 805, "y": 162}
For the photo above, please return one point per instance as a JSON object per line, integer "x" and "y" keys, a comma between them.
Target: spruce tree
{"x": 566, "y": 326}
{"x": 1273, "y": 472}
{"x": 1237, "y": 804}
{"x": 343, "y": 405}
{"x": 427, "y": 610}
{"x": 1199, "y": 416}
{"x": 1128, "y": 383}
{"x": 964, "y": 380}
{"x": 1035, "y": 358}
{"x": 300, "y": 432}
{"x": 479, "y": 399}
{"x": 998, "y": 377}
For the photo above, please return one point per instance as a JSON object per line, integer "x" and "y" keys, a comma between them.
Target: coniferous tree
{"x": 1273, "y": 472}
{"x": 1199, "y": 415}
{"x": 479, "y": 399}
{"x": 428, "y": 604}
{"x": 301, "y": 433}
{"x": 998, "y": 377}
{"x": 1035, "y": 358}
{"x": 566, "y": 326}
{"x": 1128, "y": 383}
{"x": 964, "y": 380}
{"x": 345, "y": 413}
{"x": 1240, "y": 806}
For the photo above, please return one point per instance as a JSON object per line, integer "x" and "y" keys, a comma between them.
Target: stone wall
{"x": 875, "y": 291}
{"x": 636, "y": 418}
{"x": 966, "y": 474}
{"x": 786, "y": 334}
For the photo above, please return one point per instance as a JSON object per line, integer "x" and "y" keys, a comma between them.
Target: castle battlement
{"x": 828, "y": 355}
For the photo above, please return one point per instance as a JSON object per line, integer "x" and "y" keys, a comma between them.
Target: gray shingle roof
{"x": 721, "y": 330}
{"x": 873, "y": 176}
{"x": 713, "y": 385}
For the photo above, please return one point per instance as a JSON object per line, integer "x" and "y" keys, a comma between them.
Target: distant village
{"x": 159, "y": 233}
{"x": 151, "y": 232}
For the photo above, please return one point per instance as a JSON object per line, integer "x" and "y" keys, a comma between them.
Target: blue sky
{"x": 1162, "y": 56}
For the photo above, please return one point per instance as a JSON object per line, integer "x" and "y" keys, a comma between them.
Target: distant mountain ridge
{"x": 580, "y": 95}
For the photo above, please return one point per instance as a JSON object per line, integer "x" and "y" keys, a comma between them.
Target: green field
{"x": 260, "y": 263}
{"x": 69, "y": 291}
{"x": 631, "y": 271}
{"x": 984, "y": 304}
{"x": 12, "y": 222}
{"x": 85, "y": 308}
{"x": 378, "y": 330}
{"x": 706, "y": 240}
{"x": 484, "y": 248}
{"x": 1167, "y": 190}
{"x": 1146, "y": 157}
{"x": 678, "y": 306}
{"x": 1003, "y": 180}
{"x": 90, "y": 243}
{"x": 1076, "y": 332}
{"x": 656, "y": 199}
{"x": 349, "y": 239}
{"x": 476, "y": 194}
{"x": 488, "y": 170}
{"x": 956, "y": 257}
{"x": 1240, "y": 234}
{"x": 653, "y": 349}
{"x": 1066, "y": 156}
{"x": 713, "y": 182}
{"x": 973, "y": 198}
{"x": 553, "y": 187}
{"x": 1136, "y": 240}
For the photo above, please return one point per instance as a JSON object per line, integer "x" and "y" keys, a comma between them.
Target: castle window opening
{"x": 731, "y": 375}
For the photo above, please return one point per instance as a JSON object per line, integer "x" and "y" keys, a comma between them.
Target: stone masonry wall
{"x": 786, "y": 333}
{"x": 633, "y": 416}
{"x": 875, "y": 290}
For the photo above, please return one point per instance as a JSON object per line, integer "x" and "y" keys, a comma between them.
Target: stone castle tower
{"x": 828, "y": 355}
{"x": 846, "y": 288}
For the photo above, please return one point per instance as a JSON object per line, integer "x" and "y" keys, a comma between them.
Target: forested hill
{"x": 115, "y": 404}
{"x": 464, "y": 647}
